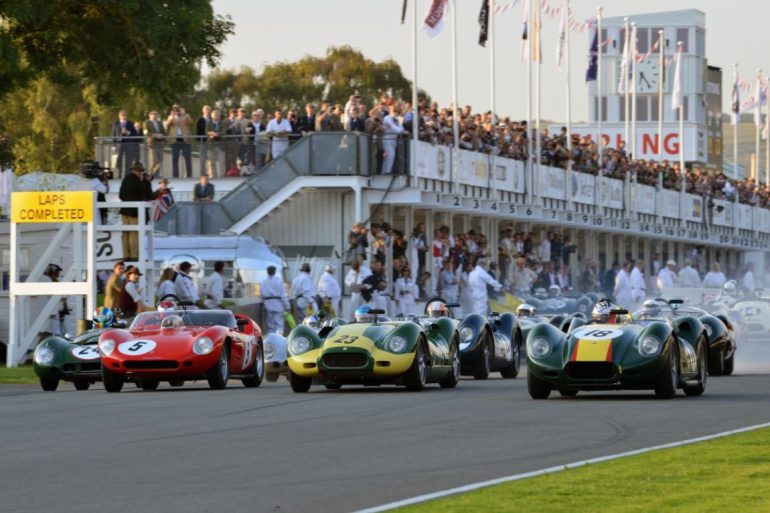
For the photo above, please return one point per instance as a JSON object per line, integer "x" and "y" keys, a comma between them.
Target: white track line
{"x": 551, "y": 470}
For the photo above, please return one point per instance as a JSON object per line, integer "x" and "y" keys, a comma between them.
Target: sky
{"x": 268, "y": 31}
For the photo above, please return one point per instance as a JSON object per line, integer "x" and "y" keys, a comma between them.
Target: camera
{"x": 91, "y": 169}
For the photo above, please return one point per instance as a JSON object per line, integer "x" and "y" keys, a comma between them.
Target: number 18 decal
{"x": 136, "y": 347}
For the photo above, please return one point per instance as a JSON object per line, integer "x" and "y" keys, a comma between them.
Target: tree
{"x": 100, "y": 54}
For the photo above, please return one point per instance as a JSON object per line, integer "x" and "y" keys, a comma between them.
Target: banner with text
{"x": 582, "y": 187}
{"x": 610, "y": 192}
{"x": 693, "y": 208}
{"x": 552, "y": 182}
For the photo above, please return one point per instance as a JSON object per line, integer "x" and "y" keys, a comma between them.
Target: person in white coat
{"x": 406, "y": 292}
{"x": 748, "y": 281}
{"x": 329, "y": 290}
{"x": 184, "y": 286}
{"x": 304, "y": 292}
{"x": 478, "y": 280}
{"x": 279, "y": 129}
{"x": 638, "y": 287}
{"x": 715, "y": 278}
{"x": 353, "y": 281}
{"x": 274, "y": 300}
{"x": 214, "y": 290}
{"x": 448, "y": 282}
{"x": 391, "y": 130}
{"x": 688, "y": 276}
{"x": 622, "y": 290}
{"x": 667, "y": 278}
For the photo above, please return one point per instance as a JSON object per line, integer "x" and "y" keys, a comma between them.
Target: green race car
{"x": 59, "y": 359}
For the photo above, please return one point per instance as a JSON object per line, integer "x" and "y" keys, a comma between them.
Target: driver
{"x": 554, "y": 291}
{"x": 651, "y": 308}
{"x": 103, "y": 317}
{"x": 525, "y": 310}
{"x": 436, "y": 309}
{"x": 312, "y": 322}
{"x": 603, "y": 311}
{"x": 730, "y": 288}
{"x": 363, "y": 314}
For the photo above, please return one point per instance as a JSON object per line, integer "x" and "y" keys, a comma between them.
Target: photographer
{"x": 134, "y": 187}
{"x": 99, "y": 182}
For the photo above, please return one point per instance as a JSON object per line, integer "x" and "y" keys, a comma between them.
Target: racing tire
{"x": 81, "y": 384}
{"x": 149, "y": 384}
{"x": 483, "y": 364}
{"x": 512, "y": 371}
{"x": 271, "y": 378}
{"x": 299, "y": 384}
{"x": 112, "y": 382}
{"x": 218, "y": 375}
{"x": 568, "y": 392}
{"x": 538, "y": 389}
{"x": 176, "y": 382}
{"x": 49, "y": 384}
{"x": 333, "y": 386}
{"x": 717, "y": 362}
{"x": 451, "y": 380}
{"x": 729, "y": 365}
{"x": 668, "y": 380}
{"x": 258, "y": 372}
{"x": 417, "y": 375}
{"x": 700, "y": 387}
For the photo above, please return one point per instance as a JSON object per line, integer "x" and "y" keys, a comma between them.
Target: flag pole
{"x": 568, "y": 89}
{"x": 491, "y": 30}
{"x": 661, "y": 80}
{"x": 415, "y": 108}
{"x": 530, "y": 171}
{"x": 633, "y": 89}
{"x": 455, "y": 123}
{"x": 537, "y": 41}
{"x": 737, "y": 116}
{"x": 767, "y": 136}
{"x": 624, "y": 78}
{"x": 757, "y": 123}
{"x": 599, "y": 88}
{"x": 679, "y": 45}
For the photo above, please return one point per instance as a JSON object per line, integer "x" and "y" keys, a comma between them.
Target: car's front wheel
{"x": 568, "y": 392}
{"x": 729, "y": 365}
{"x": 300, "y": 384}
{"x": 218, "y": 375}
{"x": 514, "y": 367}
{"x": 483, "y": 364}
{"x": 149, "y": 384}
{"x": 451, "y": 380}
{"x": 81, "y": 384}
{"x": 700, "y": 387}
{"x": 538, "y": 389}
{"x": 668, "y": 379}
{"x": 258, "y": 372}
{"x": 49, "y": 384}
{"x": 717, "y": 362}
{"x": 417, "y": 375}
{"x": 112, "y": 381}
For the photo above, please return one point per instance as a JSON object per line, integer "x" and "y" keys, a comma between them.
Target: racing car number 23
{"x": 137, "y": 347}
{"x": 346, "y": 339}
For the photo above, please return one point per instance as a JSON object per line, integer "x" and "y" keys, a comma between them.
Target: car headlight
{"x": 43, "y": 355}
{"x": 649, "y": 346}
{"x": 269, "y": 350}
{"x": 539, "y": 348}
{"x": 396, "y": 344}
{"x": 709, "y": 330}
{"x": 466, "y": 334}
{"x": 107, "y": 346}
{"x": 300, "y": 345}
{"x": 203, "y": 345}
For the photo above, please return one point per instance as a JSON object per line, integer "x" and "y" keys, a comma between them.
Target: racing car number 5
{"x": 137, "y": 347}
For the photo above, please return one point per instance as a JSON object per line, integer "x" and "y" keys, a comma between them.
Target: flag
{"x": 537, "y": 54}
{"x": 525, "y": 33}
{"x": 624, "y": 62}
{"x": 434, "y": 20}
{"x": 161, "y": 204}
{"x": 403, "y": 11}
{"x": 676, "y": 94}
{"x": 766, "y": 129}
{"x": 758, "y": 104}
{"x": 593, "y": 59}
{"x": 484, "y": 22}
{"x": 562, "y": 37}
{"x": 736, "y": 104}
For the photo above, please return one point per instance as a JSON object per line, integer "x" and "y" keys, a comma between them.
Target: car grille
{"x": 590, "y": 370}
{"x": 84, "y": 367}
{"x": 152, "y": 364}
{"x": 345, "y": 360}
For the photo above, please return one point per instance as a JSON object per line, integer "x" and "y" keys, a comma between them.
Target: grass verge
{"x": 17, "y": 375}
{"x": 724, "y": 475}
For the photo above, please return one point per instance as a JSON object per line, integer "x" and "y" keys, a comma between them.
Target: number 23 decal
{"x": 346, "y": 339}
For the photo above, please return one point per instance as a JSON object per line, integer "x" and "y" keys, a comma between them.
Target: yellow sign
{"x": 52, "y": 207}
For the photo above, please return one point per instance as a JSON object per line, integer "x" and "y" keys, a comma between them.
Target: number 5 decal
{"x": 137, "y": 347}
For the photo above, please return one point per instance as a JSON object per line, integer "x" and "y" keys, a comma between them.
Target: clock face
{"x": 648, "y": 76}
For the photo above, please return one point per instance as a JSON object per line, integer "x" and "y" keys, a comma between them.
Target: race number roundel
{"x": 136, "y": 347}
{"x": 597, "y": 333}
{"x": 86, "y": 352}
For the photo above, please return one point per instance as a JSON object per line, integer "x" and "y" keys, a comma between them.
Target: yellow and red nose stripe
{"x": 592, "y": 351}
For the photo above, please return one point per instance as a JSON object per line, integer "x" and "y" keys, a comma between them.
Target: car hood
{"x": 361, "y": 336}
{"x": 600, "y": 342}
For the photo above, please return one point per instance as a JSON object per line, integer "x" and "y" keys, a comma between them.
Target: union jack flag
{"x": 161, "y": 205}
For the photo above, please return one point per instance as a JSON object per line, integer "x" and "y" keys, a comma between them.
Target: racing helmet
{"x": 554, "y": 291}
{"x": 437, "y": 309}
{"x": 651, "y": 308}
{"x": 602, "y": 309}
{"x": 312, "y": 321}
{"x": 103, "y": 317}
{"x": 362, "y": 314}
{"x": 167, "y": 305}
{"x": 525, "y": 310}
{"x": 730, "y": 288}
{"x": 541, "y": 293}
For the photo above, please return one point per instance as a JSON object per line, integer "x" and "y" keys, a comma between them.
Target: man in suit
{"x": 258, "y": 126}
{"x": 155, "y": 136}
{"x": 214, "y": 155}
{"x": 200, "y": 130}
{"x": 203, "y": 190}
{"x": 124, "y": 138}
{"x": 178, "y": 124}
{"x": 306, "y": 123}
{"x": 356, "y": 123}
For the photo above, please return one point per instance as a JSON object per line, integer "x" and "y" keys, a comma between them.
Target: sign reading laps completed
{"x": 52, "y": 207}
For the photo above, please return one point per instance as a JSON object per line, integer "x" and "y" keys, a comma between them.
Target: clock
{"x": 648, "y": 75}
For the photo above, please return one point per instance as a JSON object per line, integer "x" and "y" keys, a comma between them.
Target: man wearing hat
{"x": 303, "y": 291}
{"x": 478, "y": 281}
{"x": 523, "y": 277}
{"x": 667, "y": 278}
{"x": 329, "y": 291}
{"x": 131, "y": 301}
{"x": 184, "y": 285}
{"x": 274, "y": 301}
{"x": 134, "y": 187}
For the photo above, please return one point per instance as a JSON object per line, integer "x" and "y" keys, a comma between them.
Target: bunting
{"x": 434, "y": 20}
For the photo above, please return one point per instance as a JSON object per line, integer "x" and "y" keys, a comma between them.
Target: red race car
{"x": 183, "y": 345}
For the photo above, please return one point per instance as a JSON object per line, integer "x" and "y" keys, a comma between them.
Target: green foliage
{"x": 23, "y": 374}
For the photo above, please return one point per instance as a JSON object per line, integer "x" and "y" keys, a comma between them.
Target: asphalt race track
{"x": 270, "y": 450}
